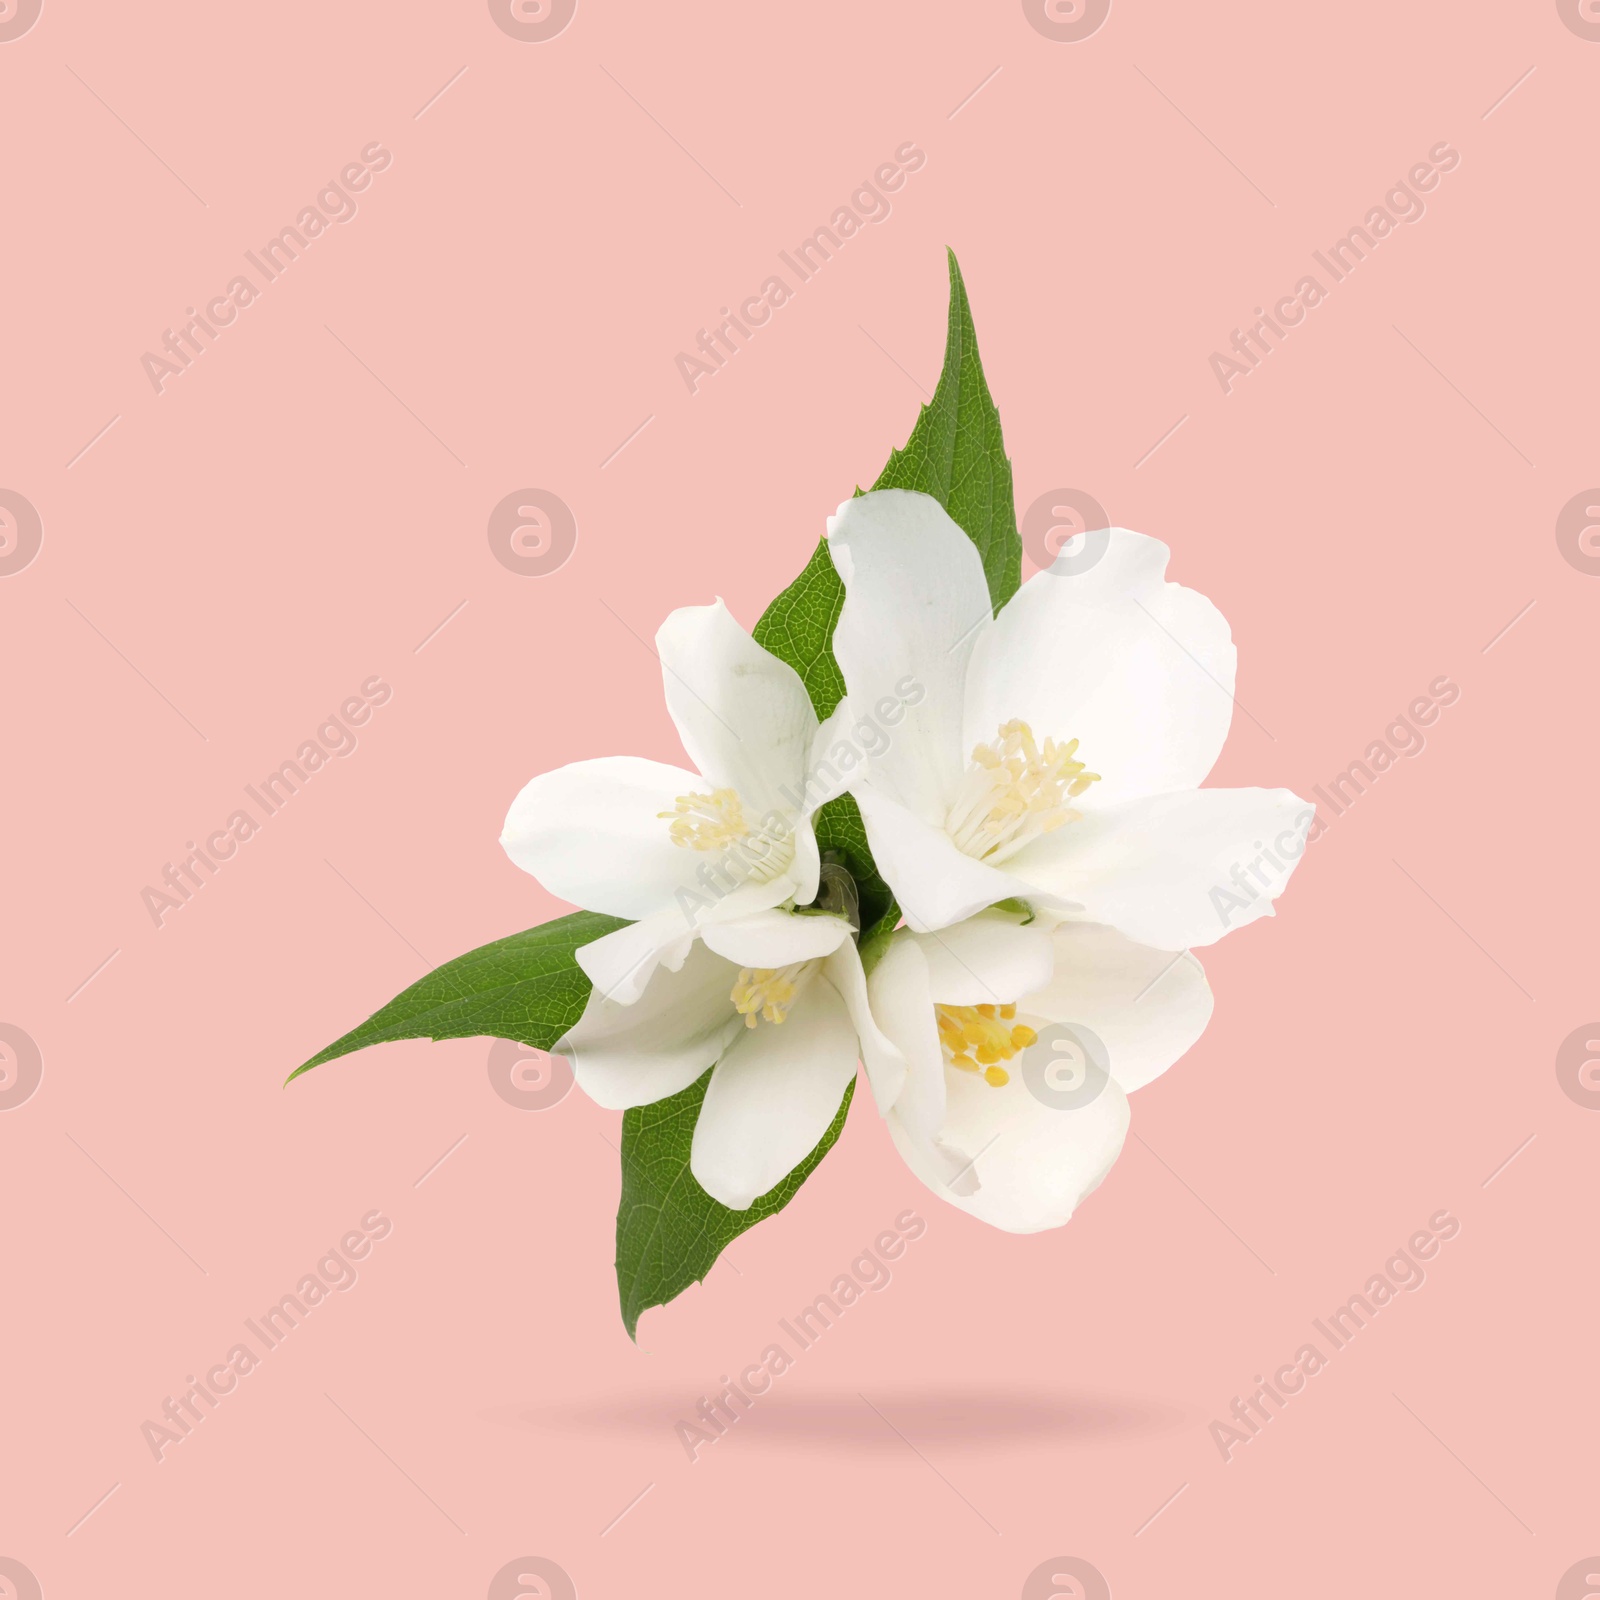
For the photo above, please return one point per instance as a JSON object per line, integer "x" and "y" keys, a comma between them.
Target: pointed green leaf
{"x": 669, "y": 1230}
{"x": 798, "y": 628}
{"x": 956, "y": 453}
{"x": 528, "y": 987}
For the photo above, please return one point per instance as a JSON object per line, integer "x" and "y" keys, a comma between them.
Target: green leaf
{"x": 840, "y": 829}
{"x": 669, "y": 1230}
{"x": 798, "y": 628}
{"x": 527, "y": 987}
{"x": 956, "y": 453}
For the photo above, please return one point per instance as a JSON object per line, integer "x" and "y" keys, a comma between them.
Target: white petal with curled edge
{"x": 916, "y": 601}
{"x": 898, "y": 993}
{"x": 772, "y": 1097}
{"x": 776, "y": 938}
{"x": 1139, "y": 670}
{"x": 592, "y": 833}
{"x": 622, "y": 963}
{"x": 1144, "y": 1007}
{"x": 882, "y": 1057}
{"x": 743, "y": 715}
{"x": 635, "y": 1055}
{"x": 806, "y": 868}
{"x": 1033, "y": 1162}
{"x": 839, "y": 759}
{"x": 903, "y": 1005}
{"x": 1174, "y": 870}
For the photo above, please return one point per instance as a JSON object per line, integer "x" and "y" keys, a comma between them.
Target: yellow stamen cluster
{"x": 766, "y": 993}
{"x": 707, "y": 821}
{"x": 1014, "y": 791}
{"x": 979, "y": 1038}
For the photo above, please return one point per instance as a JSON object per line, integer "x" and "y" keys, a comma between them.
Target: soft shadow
{"x": 971, "y": 1416}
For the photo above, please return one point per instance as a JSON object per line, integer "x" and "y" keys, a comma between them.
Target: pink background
{"x": 306, "y": 505}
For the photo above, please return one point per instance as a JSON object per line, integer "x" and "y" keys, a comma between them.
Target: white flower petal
{"x": 990, "y": 959}
{"x": 621, "y": 964}
{"x": 591, "y": 833}
{"x": 806, "y": 869}
{"x": 743, "y": 715}
{"x": 903, "y": 1006}
{"x": 885, "y": 1064}
{"x": 776, "y": 938}
{"x": 1139, "y": 670}
{"x": 772, "y": 1097}
{"x": 1174, "y": 870}
{"x": 1033, "y": 1162}
{"x": 635, "y": 1055}
{"x": 933, "y": 881}
{"x": 840, "y": 753}
{"x": 1140, "y": 1008}
{"x": 916, "y": 601}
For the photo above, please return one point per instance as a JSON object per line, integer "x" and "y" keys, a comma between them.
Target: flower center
{"x": 979, "y": 1038}
{"x": 716, "y": 822}
{"x": 1014, "y": 791}
{"x": 707, "y": 821}
{"x": 766, "y": 993}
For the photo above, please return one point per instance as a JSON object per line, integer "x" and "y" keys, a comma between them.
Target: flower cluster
{"x": 1036, "y": 811}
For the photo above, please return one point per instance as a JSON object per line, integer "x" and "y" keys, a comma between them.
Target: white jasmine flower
{"x": 678, "y": 852}
{"x": 1057, "y": 753}
{"x": 777, "y": 1005}
{"x": 1022, "y": 1046}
